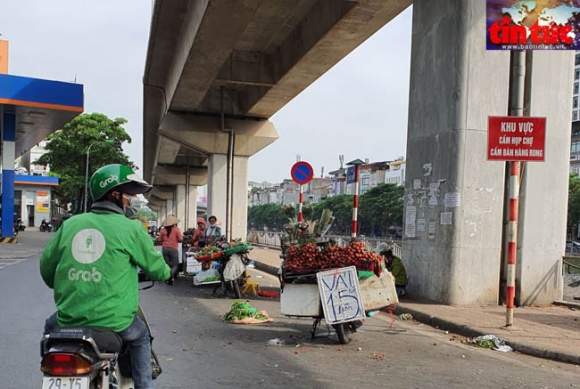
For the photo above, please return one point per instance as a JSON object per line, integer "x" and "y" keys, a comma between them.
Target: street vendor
{"x": 396, "y": 267}
{"x": 212, "y": 233}
{"x": 198, "y": 234}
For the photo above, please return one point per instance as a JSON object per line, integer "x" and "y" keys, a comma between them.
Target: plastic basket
{"x": 208, "y": 257}
{"x": 237, "y": 249}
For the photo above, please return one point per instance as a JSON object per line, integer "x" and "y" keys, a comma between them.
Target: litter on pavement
{"x": 498, "y": 342}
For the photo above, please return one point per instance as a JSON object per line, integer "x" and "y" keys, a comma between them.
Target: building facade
{"x": 396, "y": 173}
{"x": 33, "y": 198}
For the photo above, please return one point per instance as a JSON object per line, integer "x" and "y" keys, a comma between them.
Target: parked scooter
{"x": 18, "y": 224}
{"x": 45, "y": 226}
{"x": 89, "y": 358}
{"x": 232, "y": 271}
{"x": 15, "y": 228}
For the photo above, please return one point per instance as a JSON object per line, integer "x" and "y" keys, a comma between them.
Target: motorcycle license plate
{"x": 65, "y": 383}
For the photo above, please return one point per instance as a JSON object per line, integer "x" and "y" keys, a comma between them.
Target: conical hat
{"x": 170, "y": 220}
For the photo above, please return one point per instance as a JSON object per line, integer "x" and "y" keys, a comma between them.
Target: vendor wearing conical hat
{"x": 170, "y": 237}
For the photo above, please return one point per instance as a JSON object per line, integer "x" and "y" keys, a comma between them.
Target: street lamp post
{"x": 87, "y": 171}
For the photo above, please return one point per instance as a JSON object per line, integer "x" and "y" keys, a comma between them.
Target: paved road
{"x": 204, "y": 352}
{"x": 29, "y": 243}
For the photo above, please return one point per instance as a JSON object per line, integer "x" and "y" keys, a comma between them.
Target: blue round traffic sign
{"x": 302, "y": 172}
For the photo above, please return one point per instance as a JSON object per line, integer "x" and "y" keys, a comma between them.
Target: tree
{"x": 573, "y": 204}
{"x": 341, "y": 207}
{"x": 269, "y": 215}
{"x": 67, "y": 152}
{"x": 380, "y": 208}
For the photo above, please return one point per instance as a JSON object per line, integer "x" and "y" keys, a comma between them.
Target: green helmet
{"x": 114, "y": 176}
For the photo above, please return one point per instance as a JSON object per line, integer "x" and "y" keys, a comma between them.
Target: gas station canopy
{"x": 40, "y": 107}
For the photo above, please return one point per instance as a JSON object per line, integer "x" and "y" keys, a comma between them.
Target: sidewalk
{"x": 551, "y": 332}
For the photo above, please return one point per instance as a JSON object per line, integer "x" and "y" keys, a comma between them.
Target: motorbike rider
{"x": 91, "y": 263}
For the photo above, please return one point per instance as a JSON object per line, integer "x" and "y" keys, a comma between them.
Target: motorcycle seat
{"x": 106, "y": 341}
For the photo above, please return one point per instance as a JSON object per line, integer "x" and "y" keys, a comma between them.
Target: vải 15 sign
{"x": 516, "y": 138}
{"x": 533, "y": 25}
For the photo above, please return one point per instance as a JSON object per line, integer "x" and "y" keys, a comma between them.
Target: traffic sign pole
{"x": 300, "y": 200}
{"x": 355, "y": 204}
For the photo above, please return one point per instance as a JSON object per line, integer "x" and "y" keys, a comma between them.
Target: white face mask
{"x": 133, "y": 207}
{"x": 133, "y": 201}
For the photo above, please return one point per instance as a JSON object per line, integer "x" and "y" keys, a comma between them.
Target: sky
{"x": 357, "y": 109}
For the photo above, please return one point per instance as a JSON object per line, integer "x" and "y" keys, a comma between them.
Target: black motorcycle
{"x": 45, "y": 226}
{"x": 239, "y": 261}
{"x": 87, "y": 357}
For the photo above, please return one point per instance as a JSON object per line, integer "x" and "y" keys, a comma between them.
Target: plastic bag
{"x": 204, "y": 275}
{"x": 498, "y": 342}
{"x": 234, "y": 268}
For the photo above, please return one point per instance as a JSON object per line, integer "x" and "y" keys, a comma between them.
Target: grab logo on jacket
{"x": 88, "y": 245}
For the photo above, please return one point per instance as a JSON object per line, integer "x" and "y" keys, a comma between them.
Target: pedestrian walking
{"x": 170, "y": 237}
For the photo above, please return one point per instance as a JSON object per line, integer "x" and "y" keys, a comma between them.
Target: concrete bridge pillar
{"x": 162, "y": 214}
{"x": 216, "y": 192}
{"x": 188, "y": 217}
{"x": 169, "y": 207}
{"x": 454, "y": 197}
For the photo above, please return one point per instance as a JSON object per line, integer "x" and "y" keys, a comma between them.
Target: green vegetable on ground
{"x": 241, "y": 310}
{"x": 489, "y": 344}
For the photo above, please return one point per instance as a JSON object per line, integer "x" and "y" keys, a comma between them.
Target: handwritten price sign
{"x": 340, "y": 295}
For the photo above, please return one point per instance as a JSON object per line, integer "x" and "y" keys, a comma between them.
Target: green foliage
{"x": 341, "y": 207}
{"x": 270, "y": 215}
{"x": 574, "y": 201}
{"x": 379, "y": 208}
{"x": 67, "y": 152}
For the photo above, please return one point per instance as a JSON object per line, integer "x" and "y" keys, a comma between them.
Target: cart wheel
{"x": 353, "y": 325}
{"x": 343, "y": 332}
{"x": 236, "y": 289}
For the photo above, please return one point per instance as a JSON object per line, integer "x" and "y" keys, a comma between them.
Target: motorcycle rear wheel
{"x": 343, "y": 332}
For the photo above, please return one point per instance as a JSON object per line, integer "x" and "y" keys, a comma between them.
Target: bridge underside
{"x": 245, "y": 60}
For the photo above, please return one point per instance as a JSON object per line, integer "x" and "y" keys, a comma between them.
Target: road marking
{"x": 9, "y": 261}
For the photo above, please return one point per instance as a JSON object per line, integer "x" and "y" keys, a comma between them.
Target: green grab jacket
{"x": 91, "y": 263}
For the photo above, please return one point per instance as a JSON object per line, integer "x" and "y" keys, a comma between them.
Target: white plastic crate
{"x": 192, "y": 266}
{"x": 300, "y": 300}
{"x": 378, "y": 292}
